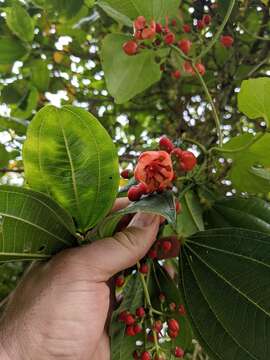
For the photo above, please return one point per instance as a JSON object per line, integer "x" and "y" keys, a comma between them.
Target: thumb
{"x": 108, "y": 256}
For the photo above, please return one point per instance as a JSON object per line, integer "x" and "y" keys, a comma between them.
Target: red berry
{"x": 157, "y": 326}
{"x": 169, "y": 38}
{"x": 144, "y": 269}
{"x": 166, "y": 246}
{"x": 201, "y": 68}
{"x": 227, "y": 41}
{"x": 130, "y": 331}
{"x": 152, "y": 254}
{"x": 207, "y": 19}
{"x": 119, "y": 281}
{"x": 174, "y": 22}
{"x": 177, "y": 152}
{"x": 123, "y": 316}
{"x": 134, "y": 193}
{"x": 173, "y": 334}
{"x": 186, "y": 28}
{"x": 185, "y": 45}
{"x": 129, "y": 320}
{"x": 159, "y": 28}
{"x": 179, "y": 352}
{"x": 178, "y": 207}
{"x": 173, "y": 325}
{"x": 140, "y": 23}
{"x": 130, "y": 47}
{"x": 148, "y": 33}
{"x": 137, "y": 329}
{"x": 200, "y": 25}
{"x": 182, "y": 310}
{"x": 145, "y": 356}
{"x": 138, "y": 35}
{"x": 162, "y": 297}
{"x": 140, "y": 312}
{"x": 126, "y": 174}
{"x": 172, "y": 306}
{"x": 166, "y": 144}
{"x": 188, "y": 68}
{"x": 188, "y": 161}
{"x": 136, "y": 355}
{"x": 176, "y": 74}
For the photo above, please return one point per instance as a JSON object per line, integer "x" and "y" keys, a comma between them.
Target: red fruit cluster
{"x": 132, "y": 326}
{"x": 186, "y": 159}
{"x": 204, "y": 22}
{"x": 227, "y": 41}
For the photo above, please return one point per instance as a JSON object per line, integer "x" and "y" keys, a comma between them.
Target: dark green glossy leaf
{"x": 4, "y": 156}
{"x": 14, "y": 93}
{"x": 20, "y": 22}
{"x": 27, "y": 107}
{"x": 161, "y": 204}
{"x": 123, "y": 346}
{"x": 251, "y": 213}
{"x": 34, "y": 226}
{"x": 127, "y": 76}
{"x": 225, "y": 280}
{"x": 11, "y": 50}
{"x": 113, "y": 13}
{"x": 18, "y": 125}
{"x": 70, "y": 156}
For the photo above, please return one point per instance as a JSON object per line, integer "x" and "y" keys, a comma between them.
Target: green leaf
{"x": 161, "y": 204}
{"x": 116, "y": 15}
{"x": 70, "y": 156}
{"x": 127, "y": 76}
{"x": 11, "y": 50}
{"x": 20, "y": 22}
{"x": 26, "y": 108}
{"x": 250, "y": 213}
{"x": 254, "y": 98}
{"x": 14, "y": 93}
{"x": 190, "y": 220}
{"x": 225, "y": 280}
{"x": 242, "y": 177}
{"x": 18, "y": 125}
{"x": 261, "y": 173}
{"x": 40, "y": 75}
{"x": 34, "y": 226}
{"x": 122, "y": 346}
{"x": 4, "y": 156}
{"x": 151, "y": 9}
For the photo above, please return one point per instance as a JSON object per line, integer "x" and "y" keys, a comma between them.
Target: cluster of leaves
{"x": 70, "y": 163}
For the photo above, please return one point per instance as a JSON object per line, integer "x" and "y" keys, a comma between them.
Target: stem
{"x": 209, "y": 97}
{"x": 191, "y": 141}
{"x": 183, "y": 56}
{"x": 244, "y": 147}
{"x": 151, "y": 310}
{"x": 218, "y": 33}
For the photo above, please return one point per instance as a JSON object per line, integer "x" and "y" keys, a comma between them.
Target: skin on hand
{"x": 60, "y": 308}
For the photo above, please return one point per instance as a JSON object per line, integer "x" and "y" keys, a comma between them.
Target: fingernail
{"x": 144, "y": 220}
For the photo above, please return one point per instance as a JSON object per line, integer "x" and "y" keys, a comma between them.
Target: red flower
{"x": 154, "y": 170}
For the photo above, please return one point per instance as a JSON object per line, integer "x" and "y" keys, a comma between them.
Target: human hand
{"x": 60, "y": 308}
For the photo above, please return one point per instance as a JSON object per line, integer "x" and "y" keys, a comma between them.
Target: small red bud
{"x": 145, "y": 356}
{"x": 136, "y": 355}
{"x": 182, "y": 310}
{"x": 179, "y": 352}
{"x": 176, "y": 74}
{"x": 130, "y": 331}
{"x": 140, "y": 23}
{"x": 169, "y": 38}
{"x": 140, "y": 312}
{"x": 130, "y": 47}
{"x": 173, "y": 334}
{"x": 173, "y": 325}
{"x": 178, "y": 207}
{"x": 186, "y": 28}
{"x": 188, "y": 68}
{"x": 126, "y": 174}
{"x": 188, "y": 161}
{"x": 152, "y": 254}
{"x": 185, "y": 45}
{"x": 166, "y": 144}
{"x": 137, "y": 329}
{"x": 177, "y": 152}
{"x": 172, "y": 306}
{"x": 201, "y": 68}
{"x": 129, "y": 320}
{"x": 157, "y": 327}
{"x": 162, "y": 297}
{"x": 207, "y": 19}
{"x": 119, "y": 281}
{"x": 123, "y": 316}
{"x": 166, "y": 246}
{"x": 200, "y": 25}
{"x": 144, "y": 269}
{"x": 159, "y": 28}
{"x": 174, "y": 22}
{"x": 227, "y": 41}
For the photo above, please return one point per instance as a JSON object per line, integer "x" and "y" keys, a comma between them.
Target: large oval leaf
{"x": 69, "y": 155}
{"x": 11, "y": 50}
{"x": 226, "y": 287}
{"x": 127, "y": 76}
{"x": 34, "y": 226}
{"x": 20, "y": 22}
{"x": 251, "y": 213}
